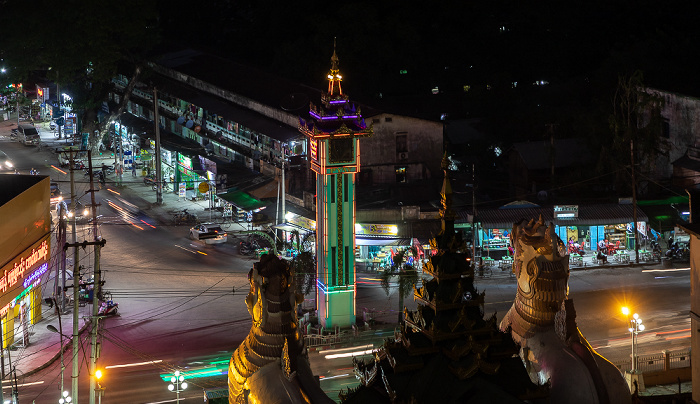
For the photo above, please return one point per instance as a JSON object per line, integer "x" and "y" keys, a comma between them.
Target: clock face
{"x": 341, "y": 150}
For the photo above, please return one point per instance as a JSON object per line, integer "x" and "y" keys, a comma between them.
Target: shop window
{"x": 387, "y": 119}
{"x": 401, "y": 174}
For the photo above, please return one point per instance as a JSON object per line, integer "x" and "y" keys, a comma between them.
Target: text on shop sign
{"x": 9, "y": 279}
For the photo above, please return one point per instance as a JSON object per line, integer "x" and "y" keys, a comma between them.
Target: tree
{"x": 635, "y": 122}
{"x": 304, "y": 263}
{"x": 406, "y": 273}
{"x": 79, "y": 45}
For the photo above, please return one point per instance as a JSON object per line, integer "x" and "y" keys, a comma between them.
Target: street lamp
{"x": 635, "y": 327}
{"x": 100, "y": 391}
{"x": 177, "y": 384}
{"x": 65, "y": 399}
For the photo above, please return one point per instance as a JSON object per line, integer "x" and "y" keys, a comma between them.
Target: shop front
{"x": 581, "y": 227}
{"x": 20, "y": 285}
{"x": 296, "y": 224}
{"x": 376, "y": 244}
{"x": 239, "y": 205}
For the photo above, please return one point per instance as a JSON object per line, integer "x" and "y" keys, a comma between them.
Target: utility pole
{"x": 159, "y": 175}
{"x": 58, "y": 96}
{"x": 76, "y": 287}
{"x": 121, "y": 156}
{"x": 284, "y": 208}
{"x": 116, "y": 153}
{"x": 61, "y": 267}
{"x": 97, "y": 288}
{"x": 474, "y": 212}
{"x": 634, "y": 204}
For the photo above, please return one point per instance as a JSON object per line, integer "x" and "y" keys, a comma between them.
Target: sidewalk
{"x": 43, "y": 349}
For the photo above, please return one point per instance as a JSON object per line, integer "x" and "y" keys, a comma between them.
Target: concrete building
{"x": 25, "y": 252}
{"x": 678, "y": 162}
{"x": 249, "y": 118}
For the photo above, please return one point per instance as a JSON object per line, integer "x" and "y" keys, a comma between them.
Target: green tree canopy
{"x": 406, "y": 273}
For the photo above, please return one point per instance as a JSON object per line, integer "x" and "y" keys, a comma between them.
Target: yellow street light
{"x": 626, "y": 311}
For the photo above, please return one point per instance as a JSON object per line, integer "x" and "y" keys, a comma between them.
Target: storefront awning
{"x": 242, "y": 200}
{"x": 588, "y": 215}
{"x": 382, "y": 241}
{"x": 289, "y": 227}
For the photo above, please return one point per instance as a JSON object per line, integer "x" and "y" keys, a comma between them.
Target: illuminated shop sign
{"x": 20, "y": 267}
{"x": 340, "y": 170}
{"x": 376, "y": 229}
{"x": 35, "y": 275}
{"x": 565, "y": 211}
{"x": 301, "y": 221}
{"x": 184, "y": 161}
{"x": 314, "y": 149}
{"x": 20, "y": 275}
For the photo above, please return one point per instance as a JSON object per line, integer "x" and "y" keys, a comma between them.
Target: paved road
{"x": 179, "y": 309}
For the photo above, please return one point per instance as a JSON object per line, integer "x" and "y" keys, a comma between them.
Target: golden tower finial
{"x": 334, "y": 76}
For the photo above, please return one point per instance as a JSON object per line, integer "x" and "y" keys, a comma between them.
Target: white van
{"x": 28, "y": 135}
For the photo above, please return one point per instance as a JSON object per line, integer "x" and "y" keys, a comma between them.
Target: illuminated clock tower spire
{"x": 334, "y": 128}
{"x": 334, "y": 77}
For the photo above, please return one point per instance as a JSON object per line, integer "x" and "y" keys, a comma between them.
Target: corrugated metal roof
{"x": 216, "y": 105}
{"x": 599, "y": 214}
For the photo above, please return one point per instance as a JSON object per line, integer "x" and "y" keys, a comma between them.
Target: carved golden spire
{"x": 334, "y": 77}
{"x": 446, "y": 212}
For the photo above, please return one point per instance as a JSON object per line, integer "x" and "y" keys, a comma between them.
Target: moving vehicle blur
{"x": 5, "y": 162}
{"x": 81, "y": 214}
{"x": 56, "y": 196}
{"x": 210, "y": 233}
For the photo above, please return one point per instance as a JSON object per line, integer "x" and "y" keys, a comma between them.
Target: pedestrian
{"x": 133, "y": 171}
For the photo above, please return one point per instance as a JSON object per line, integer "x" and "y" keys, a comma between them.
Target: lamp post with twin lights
{"x": 177, "y": 384}
{"x": 635, "y": 327}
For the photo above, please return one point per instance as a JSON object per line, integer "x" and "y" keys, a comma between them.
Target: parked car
{"x": 56, "y": 196}
{"x": 5, "y": 162}
{"x": 28, "y": 135}
{"x": 210, "y": 233}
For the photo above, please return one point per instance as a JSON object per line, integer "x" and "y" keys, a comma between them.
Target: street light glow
{"x": 626, "y": 311}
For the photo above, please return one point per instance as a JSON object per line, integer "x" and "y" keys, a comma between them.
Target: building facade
{"x": 25, "y": 252}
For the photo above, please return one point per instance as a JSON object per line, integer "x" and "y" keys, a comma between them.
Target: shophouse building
{"x": 585, "y": 225}
{"x": 25, "y": 253}
{"x": 234, "y": 126}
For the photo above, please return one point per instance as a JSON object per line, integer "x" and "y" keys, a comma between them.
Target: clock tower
{"x": 334, "y": 128}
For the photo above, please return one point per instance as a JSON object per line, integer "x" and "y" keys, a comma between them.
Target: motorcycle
{"x": 247, "y": 248}
{"x": 678, "y": 252}
{"x": 655, "y": 250}
{"x": 108, "y": 308}
{"x": 150, "y": 180}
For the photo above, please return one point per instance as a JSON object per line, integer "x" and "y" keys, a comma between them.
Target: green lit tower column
{"x": 334, "y": 128}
